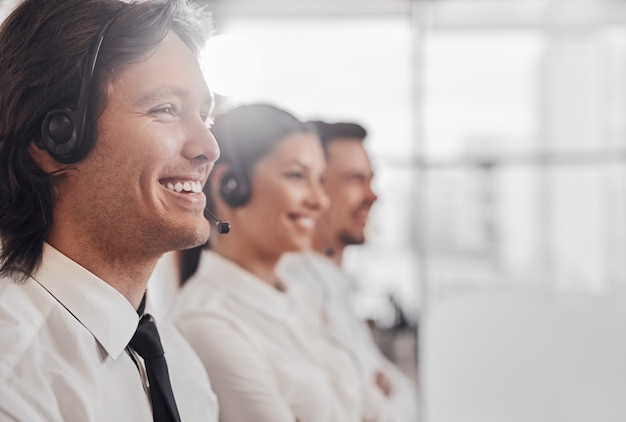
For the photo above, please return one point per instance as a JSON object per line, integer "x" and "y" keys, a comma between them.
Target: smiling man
{"x": 104, "y": 149}
{"x": 347, "y": 182}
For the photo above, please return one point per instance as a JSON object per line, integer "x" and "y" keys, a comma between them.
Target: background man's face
{"x": 347, "y": 181}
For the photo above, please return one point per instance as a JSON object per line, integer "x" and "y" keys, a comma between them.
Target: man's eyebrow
{"x": 166, "y": 92}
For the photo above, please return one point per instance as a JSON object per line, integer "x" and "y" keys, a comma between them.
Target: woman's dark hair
{"x": 245, "y": 135}
{"x": 43, "y": 48}
{"x": 248, "y": 133}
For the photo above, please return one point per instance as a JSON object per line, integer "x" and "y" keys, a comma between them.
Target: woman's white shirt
{"x": 266, "y": 358}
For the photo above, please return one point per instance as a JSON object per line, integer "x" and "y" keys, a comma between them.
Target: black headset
{"x": 234, "y": 189}
{"x": 235, "y": 185}
{"x": 63, "y": 129}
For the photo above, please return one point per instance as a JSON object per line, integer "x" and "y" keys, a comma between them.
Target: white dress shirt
{"x": 266, "y": 361}
{"x": 63, "y": 338}
{"x": 323, "y": 277}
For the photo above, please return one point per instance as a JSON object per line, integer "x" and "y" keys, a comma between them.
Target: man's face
{"x": 141, "y": 186}
{"x": 347, "y": 181}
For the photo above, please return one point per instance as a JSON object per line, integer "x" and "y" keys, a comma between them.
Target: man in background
{"x": 347, "y": 181}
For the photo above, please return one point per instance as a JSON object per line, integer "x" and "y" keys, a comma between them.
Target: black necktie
{"x": 147, "y": 343}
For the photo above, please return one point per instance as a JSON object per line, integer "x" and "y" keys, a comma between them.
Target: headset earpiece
{"x": 63, "y": 129}
{"x": 62, "y": 134}
{"x": 234, "y": 191}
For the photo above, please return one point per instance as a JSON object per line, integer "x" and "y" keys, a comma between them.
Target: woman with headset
{"x": 257, "y": 336}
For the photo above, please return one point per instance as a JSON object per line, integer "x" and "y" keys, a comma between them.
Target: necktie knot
{"x": 146, "y": 341}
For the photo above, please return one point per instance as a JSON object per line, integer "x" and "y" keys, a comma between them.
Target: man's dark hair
{"x": 330, "y": 132}
{"x": 43, "y": 48}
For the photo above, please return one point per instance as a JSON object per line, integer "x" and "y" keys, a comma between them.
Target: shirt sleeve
{"x": 246, "y": 388}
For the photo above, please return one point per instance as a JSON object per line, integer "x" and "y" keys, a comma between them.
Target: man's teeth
{"x": 189, "y": 186}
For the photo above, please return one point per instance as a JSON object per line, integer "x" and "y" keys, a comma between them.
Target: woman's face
{"x": 287, "y": 197}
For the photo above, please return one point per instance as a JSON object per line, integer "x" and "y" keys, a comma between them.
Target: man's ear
{"x": 43, "y": 159}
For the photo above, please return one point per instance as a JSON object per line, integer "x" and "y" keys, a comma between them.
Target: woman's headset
{"x": 234, "y": 188}
{"x": 272, "y": 123}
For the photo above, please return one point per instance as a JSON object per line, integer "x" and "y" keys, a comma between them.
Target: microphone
{"x": 223, "y": 227}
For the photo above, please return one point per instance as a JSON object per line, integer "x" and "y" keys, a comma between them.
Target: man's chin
{"x": 351, "y": 239}
{"x": 194, "y": 238}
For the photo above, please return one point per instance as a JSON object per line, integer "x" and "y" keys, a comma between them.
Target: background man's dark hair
{"x": 43, "y": 46}
{"x": 329, "y": 132}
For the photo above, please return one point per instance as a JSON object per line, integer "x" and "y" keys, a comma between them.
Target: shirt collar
{"x": 100, "y": 308}
{"x": 244, "y": 286}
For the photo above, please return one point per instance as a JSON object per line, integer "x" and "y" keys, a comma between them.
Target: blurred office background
{"x": 498, "y": 134}
{"x": 495, "y": 270}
